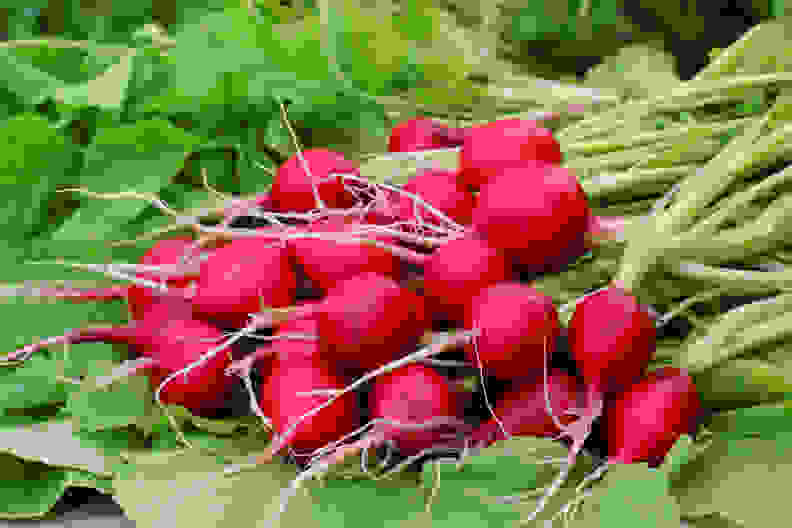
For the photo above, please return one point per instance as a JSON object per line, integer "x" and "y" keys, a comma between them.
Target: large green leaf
{"x": 142, "y": 158}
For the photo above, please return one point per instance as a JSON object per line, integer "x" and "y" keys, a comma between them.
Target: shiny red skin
{"x": 644, "y": 422}
{"x": 291, "y": 189}
{"x": 519, "y": 325}
{"x": 457, "y": 271}
{"x": 488, "y": 148}
{"x": 421, "y": 134}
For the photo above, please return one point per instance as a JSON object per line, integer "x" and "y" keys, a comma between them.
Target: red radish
{"x": 422, "y": 133}
{"x": 457, "y": 271}
{"x": 292, "y": 190}
{"x": 240, "y": 277}
{"x": 279, "y": 399}
{"x": 519, "y": 326}
{"x": 440, "y": 189}
{"x": 612, "y": 338}
{"x": 523, "y": 411}
{"x": 164, "y": 252}
{"x": 643, "y": 422}
{"x": 168, "y": 251}
{"x": 364, "y": 321}
{"x": 172, "y": 340}
{"x": 489, "y": 148}
{"x": 410, "y": 395}
{"x": 535, "y": 213}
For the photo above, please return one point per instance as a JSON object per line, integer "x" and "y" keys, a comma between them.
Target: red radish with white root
{"x": 519, "y": 327}
{"x": 537, "y": 214}
{"x": 644, "y": 422}
{"x": 488, "y": 148}
{"x": 523, "y": 409}
{"x": 441, "y": 189}
{"x": 423, "y": 133}
{"x": 293, "y": 190}
{"x": 171, "y": 341}
{"x": 612, "y": 338}
{"x": 363, "y": 321}
{"x": 413, "y": 408}
{"x": 457, "y": 271}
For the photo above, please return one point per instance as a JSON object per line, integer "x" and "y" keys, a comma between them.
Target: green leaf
{"x": 338, "y": 502}
{"x": 190, "y": 486}
{"x": 714, "y": 482}
{"x": 119, "y": 405}
{"x": 142, "y": 157}
{"x": 69, "y": 65}
{"x": 25, "y": 81}
{"x": 31, "y": 385}
{"x": 107, "y": 90}
{"x": 630, "y": 495}
{"x": 29, "y": 489}
{"x": 35, "y": 157}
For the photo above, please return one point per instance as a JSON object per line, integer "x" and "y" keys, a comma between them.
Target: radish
{"x": 519, "y": 327}
{"x": 172, "y": 340}
{"x": 457, "y": 271}
{"x": 489, "y": 148}
{"x": 292, "y": 189}
{"x": 326, "y": 262}
{"x": 642, "y": 423}
{"x": 422, "y": 133}
{"x": 612, "y": 338}
{"x": 363, "y": 321}
{"x": 522, "y": 410}
{"x": 413, "y": 408}
{"x": 164, "y": 252}
{"x": 441, "y": 189}
{"x": 240, "y": 277}
{"x": 280, "y": 399}
{"x": 537, "y": 214}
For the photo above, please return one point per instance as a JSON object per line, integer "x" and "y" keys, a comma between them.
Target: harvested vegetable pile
{"x": 520, "y": 292}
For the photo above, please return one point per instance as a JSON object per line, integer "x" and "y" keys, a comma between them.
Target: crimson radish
{"x": 281, "y": 400}
{"x": 457, "y": 271}
{"x": 172, "y": 340}
{"x": 519, "y": 327}
{"x": 239, "y": 277}
{"x": 488, "y": 148}
{"x": 422, "y": 133}
{"x": 441, "y": 189}
{"x": 326, "y": 262}
{"x": 364, "y": 321}
{"x": 522, "y": 410}
{"x": 643, "y": 422}
{"x": 536, "y": 214}
{"x": 292, "y": 189}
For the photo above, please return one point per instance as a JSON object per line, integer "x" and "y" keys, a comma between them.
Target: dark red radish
{"x": 440, "y": 189}
{"x": 535, "y": 213}
{"x": 518, "y": 325}
{"x": 523, "y": 410}
{"x": 240, "y": 277}
{"x": 414, "y": 393}
{"x": 292, "y": 190}
{"x": 280, "y": 400}
{"x": 643, "y": 422}
{"x": 167, "y": 251}
{"x": 457, "y": 271}
{"x": 164, "y": 252}
{"x": 488, "y": 148}
{"x": 421, "y": 134}
{"x": 364, "y": 321}
{"x": 612, "y": 338}
{"x": 173, "y": 340}
{"x": 409, "y": 396}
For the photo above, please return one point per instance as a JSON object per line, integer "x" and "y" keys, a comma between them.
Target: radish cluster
{"x": 362, "y": 245}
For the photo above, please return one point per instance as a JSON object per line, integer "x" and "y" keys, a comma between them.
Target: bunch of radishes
{"x": 387, "y": 266}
